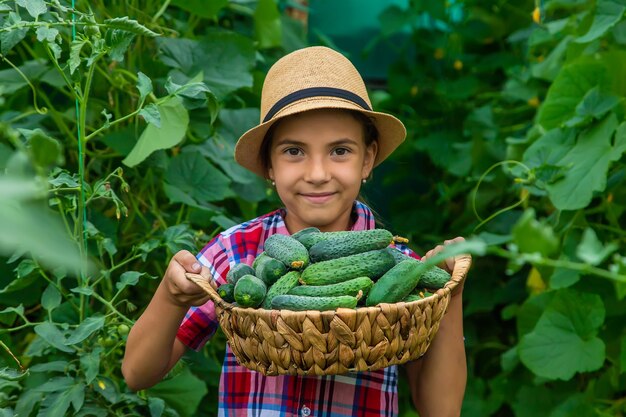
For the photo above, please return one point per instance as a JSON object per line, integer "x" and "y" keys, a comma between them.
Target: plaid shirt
{"x": 243, "y": 392}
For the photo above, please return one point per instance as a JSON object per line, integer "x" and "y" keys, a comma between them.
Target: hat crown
{"x": 311, "y": 67}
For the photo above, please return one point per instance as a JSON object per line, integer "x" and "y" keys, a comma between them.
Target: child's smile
{"x": 318, "y": 160}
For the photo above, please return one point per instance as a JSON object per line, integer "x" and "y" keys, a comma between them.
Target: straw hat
{"x": 314, "y": 78}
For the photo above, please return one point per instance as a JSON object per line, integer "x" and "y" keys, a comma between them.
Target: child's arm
{"x": 152, "y": 348}
{"x": 437, "y": 380}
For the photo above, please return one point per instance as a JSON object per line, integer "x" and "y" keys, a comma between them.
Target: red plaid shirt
{"x": 244, "y": 392}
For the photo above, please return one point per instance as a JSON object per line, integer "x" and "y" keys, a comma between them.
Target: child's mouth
{"x": 318, "y": 198}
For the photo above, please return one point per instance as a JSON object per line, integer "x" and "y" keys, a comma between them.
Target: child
{"x": 318, "y": 141}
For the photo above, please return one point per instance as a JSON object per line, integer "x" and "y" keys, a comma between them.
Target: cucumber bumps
{"x": 287, "y": 250}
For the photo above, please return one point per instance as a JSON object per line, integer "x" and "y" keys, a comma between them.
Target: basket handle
{"x": 462, "y": 264}
{"x": 208, "y": 288}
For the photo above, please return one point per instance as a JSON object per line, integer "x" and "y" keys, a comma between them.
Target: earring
{"x": 363, "y": 180}
{"x": 273, "y": 183}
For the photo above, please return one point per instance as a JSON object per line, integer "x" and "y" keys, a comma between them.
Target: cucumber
{"x": 227, "y": 292}
{"x": 396, "y": 284}
{"x": 305, "y": 231}
{"x": 287, "y": 250}
{"x": 412, "y": 297}
{"x": 372, "y": 264}
{"x": 398, "y": 255}
{"x": 250, "y": 291}
{"x": 282, "y": 286}
{"x": 270, "y": 269}
{"x": 434, "y": 277}
{"x": 258, "y": 260}
{"x": 301, "y": 303}
{"x": 349, "y": 287}
{"x": 237, "y": 271}
{"x": 350, "y": 243}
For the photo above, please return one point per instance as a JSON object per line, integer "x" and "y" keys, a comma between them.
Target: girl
{"x": 317, "y": 142}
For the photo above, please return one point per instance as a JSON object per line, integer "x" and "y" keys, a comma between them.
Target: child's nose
{"x": 317, "y": 171}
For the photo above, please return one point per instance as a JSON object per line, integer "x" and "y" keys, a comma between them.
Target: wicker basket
{"x": 276, "y": 342}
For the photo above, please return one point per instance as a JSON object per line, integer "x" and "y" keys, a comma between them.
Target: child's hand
{"x": 179, "y": 289}
{"x": 447, "y": 264}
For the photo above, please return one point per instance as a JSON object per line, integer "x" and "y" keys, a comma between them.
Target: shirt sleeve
{"x": 201, "y": 323}
{"x": 407, "y": 251}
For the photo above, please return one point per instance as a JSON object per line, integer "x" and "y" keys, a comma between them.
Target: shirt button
{"x": 305, "y": 411}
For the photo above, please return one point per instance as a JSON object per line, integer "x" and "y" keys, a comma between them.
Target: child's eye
{"x": 293, "y": 151}
{"x": 341, "y": 151}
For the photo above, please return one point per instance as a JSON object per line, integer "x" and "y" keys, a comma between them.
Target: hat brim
{"x": 391, "y": 131}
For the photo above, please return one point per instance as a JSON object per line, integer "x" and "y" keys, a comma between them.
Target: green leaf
{"x": 34, "y": 7}
{"x": 10, "y": 374}
{"x": 10, "y": 38}
{"x": 564, "y": 340}
{"x": 174, "y": 122}
{"x": 90, "y": 364}
{"x": 156, "y": 406}
{"x": 144, "y": 85}
{"x": 189, "y": 172}
{"x": 117, "y": 42}
{"x": 31, "y": 228}
{"x": 587, "y": 164}
{"x": 129, "y": 25}
{"x": 619, "y": 146}
{"x": 51, "y": 298}
{"x": 267, "y": 24}
{"x": 591, "y": 250}
{"x": 151, "y": 115}
{"x": 55, "y": 366}
{"x": 85, "y": 329}
{"x": 53, "y": 336}
{"x": 550, "y": 67}
{"x": 568, "y": 89}
{"x": 607, "y": 15}
{"x": 12, "y": 81}
{"x": 203, "y": 8}
{"x": 226, "y": 59}
{"x": 563, "y": 278}
{"x": 46, "y": 34}
{"x": 182, "y": 392}
{"x": 129, "y": 279}
{"x": 531, "y": 236}
{"x": 596, "y": 103}
{"x": 577, "y": 405}
{"x": 75, "y": 48}
{"x": 46, "y": 151}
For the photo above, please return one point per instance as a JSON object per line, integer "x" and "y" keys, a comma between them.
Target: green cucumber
{"x": 350, "y": 243}
{"x": 398, "y": 255}
{"x": 260, "y": 257}
{"x": 349, "y": 287}
{"x": 305, "y": 231}
{"x": 412, "y": 297}
{"x": 282, "y": 286}
{"x": 301, "y": 303}
{"x": 396, "y": 284}
{"x": 434, "y": 277}
{"x": 227, "y": 292}
{"x": 270, "y": 269}
{"x": 372, "y": 264}
{"x": 237, "y": 271}
{"x": 287, "y": 250}
{"x": 250, "y": 291}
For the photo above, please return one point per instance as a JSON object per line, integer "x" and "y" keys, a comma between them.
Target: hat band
{"x": 315, "y": 92}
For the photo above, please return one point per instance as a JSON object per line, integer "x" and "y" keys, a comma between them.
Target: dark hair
{"x": 370, "y": 135}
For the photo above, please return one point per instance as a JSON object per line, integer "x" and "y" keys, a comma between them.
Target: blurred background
{"x": 117, "y": 127}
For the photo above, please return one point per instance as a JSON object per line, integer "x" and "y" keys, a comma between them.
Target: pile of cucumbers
{"x": 314, "y": 270}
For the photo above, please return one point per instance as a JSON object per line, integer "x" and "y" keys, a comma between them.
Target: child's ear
{"x": 370, "y": 156}
{"x": 270, "y": 173}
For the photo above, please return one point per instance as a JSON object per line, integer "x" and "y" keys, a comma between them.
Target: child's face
{"x": 318, "y": 160}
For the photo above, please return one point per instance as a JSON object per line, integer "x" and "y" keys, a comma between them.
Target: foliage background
{"x": 515, "y": 112}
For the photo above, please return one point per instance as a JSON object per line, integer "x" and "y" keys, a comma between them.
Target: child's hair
{"x": 370, "y": 135}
